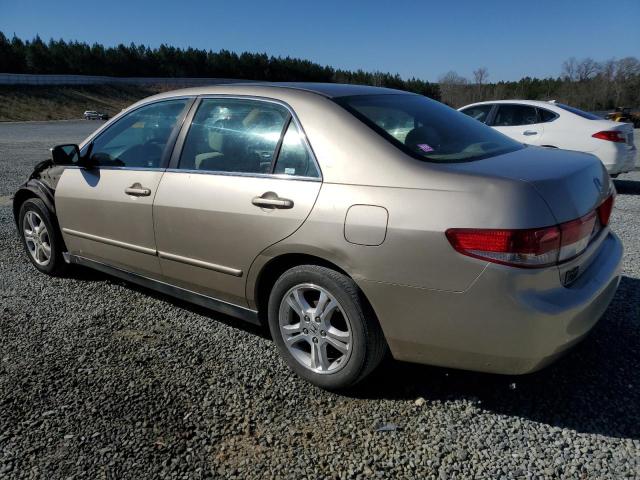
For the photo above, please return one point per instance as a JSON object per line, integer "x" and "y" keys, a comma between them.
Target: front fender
{"x": 34, "y": 187}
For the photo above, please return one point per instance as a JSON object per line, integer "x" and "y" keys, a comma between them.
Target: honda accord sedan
{"x": 352, "y": 220}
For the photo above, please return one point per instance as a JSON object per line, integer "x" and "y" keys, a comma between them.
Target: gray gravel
{"x": 101, "y": 379}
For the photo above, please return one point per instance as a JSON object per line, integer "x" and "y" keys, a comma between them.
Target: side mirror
{"x": 68, "y": 154}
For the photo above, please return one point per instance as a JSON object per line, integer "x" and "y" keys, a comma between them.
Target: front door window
{"x": 139, "y": 139}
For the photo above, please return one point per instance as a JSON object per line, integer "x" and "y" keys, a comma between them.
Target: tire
{"x": 347, "y": 322}
{"x": 34, "y": 213}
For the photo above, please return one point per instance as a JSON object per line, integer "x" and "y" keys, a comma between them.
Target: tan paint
{"x": 212, "y": 219}
{"x": 93, "y": 203}
{"x": 366, "y": 225}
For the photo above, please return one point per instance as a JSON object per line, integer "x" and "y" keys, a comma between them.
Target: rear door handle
{"x": 137, "y": 190}
{"x": 529, "y": 132}
{"x": 271, "y": 200}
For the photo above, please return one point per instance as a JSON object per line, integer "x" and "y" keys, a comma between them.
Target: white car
{"x": 551, "y": 124}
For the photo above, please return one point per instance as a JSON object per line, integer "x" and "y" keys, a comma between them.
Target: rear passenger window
{"x": 229, "y": 135}
{"x": 512, "y": 115}
{"x": 546, "y": 115}
{"x": 479, "y": 112}
{"x": 294, "y": 157}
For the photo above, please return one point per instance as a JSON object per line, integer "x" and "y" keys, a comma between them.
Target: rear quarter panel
{"x": 415, "y": 251}
{"x": 569, "y": 132}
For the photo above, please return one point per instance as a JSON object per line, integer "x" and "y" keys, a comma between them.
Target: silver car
{"x": 93, "y": 115}
{"x": 352, "y": 220}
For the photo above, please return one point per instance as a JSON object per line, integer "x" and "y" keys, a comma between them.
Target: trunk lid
{"x": 571, "y": 183}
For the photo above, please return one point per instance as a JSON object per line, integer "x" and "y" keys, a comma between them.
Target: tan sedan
{"x": 353, "y": 220}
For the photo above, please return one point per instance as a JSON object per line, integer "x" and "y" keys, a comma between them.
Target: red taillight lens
{"x": 523, "y": 248}
{"x": 605, "y": 209}
{"x": 533, "y": 248}
{"x": 610, "y": 136}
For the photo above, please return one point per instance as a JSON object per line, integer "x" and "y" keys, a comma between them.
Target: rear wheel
{"x": 324, "y": 328}
{"x": 40, "y": 237}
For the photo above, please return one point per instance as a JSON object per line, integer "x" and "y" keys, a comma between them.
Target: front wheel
{"x": 324, "y": 328}
{"x": 40, "y": 237}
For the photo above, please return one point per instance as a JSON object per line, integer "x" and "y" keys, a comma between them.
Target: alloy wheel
{"x": 315, "y": 328}
{"x": 37, "y": 238}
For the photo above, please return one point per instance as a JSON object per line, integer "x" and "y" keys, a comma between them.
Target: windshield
{"x": 427, "y": 129}
{"x": 577, "y": 111}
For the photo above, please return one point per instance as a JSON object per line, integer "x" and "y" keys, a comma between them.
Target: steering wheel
{"x": 147, "y": 154}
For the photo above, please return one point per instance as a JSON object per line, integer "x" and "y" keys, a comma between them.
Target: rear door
{"x": 242, "y": 178}
{"x": 519, "y": 122}
{"x": 106, "y": 212}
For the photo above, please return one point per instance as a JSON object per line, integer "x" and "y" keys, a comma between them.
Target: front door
{"x": 105, "y": 213}
{"x": 227, "y": 198}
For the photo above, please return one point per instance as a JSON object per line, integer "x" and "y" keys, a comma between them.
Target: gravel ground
{"x": 101, "y": 379}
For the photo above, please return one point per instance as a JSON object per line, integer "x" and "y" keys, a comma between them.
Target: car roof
{"x": 333, "y": 90}
{"x": 536, "y": 103}
{"x": 329, "y": 90}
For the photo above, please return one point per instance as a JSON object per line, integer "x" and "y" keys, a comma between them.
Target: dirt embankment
{"x": 62, "y": 102}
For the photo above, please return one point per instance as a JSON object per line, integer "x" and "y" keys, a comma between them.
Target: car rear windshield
{"x": 577, "y": 111}
{"x": 426, "y": 129}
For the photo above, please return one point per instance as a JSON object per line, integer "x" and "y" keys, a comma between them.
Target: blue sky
{"x": 512, "y": 38}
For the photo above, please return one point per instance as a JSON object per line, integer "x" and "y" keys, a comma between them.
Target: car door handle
{"x": 137, "y": 190}
{"x": 529, "y": 132}
{"x": 271, "y": 200}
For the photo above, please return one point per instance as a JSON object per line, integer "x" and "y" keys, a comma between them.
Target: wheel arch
{"x": 35, "y": 188}
{"x": 276, "y": 266}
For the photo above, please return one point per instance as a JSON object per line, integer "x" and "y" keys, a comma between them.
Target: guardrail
{"x": 29, "y": 79}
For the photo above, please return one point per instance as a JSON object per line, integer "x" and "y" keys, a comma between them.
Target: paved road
{"x": 100, "y": 379}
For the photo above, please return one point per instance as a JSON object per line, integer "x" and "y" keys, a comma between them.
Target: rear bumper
{"x": 510, "y": 321}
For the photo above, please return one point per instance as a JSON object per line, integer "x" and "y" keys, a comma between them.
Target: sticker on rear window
{"x": 424, "y": 147}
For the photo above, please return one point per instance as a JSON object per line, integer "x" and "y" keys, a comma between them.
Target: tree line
{"x": 584, "y": 83}
{"x": 78, "y": 58}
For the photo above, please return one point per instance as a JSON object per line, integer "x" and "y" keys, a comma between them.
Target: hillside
{"x": 21, "y": 102}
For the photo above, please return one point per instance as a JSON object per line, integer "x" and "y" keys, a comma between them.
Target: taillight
{"x": 575, "y": 236}
{"x": 523, "y": 248}
{"x": 531, "y": 248}
{"x": 605, "y": 209}
{"x": 610, "y": 136}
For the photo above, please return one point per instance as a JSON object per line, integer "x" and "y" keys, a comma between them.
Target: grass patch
{"x": 65, "y": 102}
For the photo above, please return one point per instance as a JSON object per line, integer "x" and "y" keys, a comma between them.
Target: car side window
{"x": 138, "y": 139}
{"x": 513, "y": 115}
{"x": 294, "y": 157}
{"x": 232, "y": 135}
{"x": 546, "y": 115}
{"x": 479, "y": 112}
